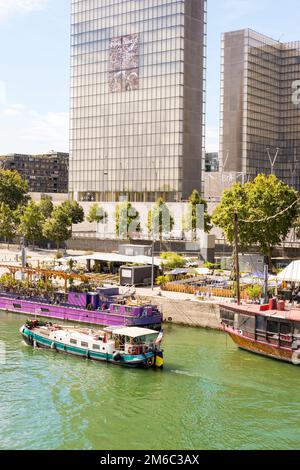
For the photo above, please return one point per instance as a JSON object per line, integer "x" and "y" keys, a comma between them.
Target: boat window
{"x": 116, "y": 308}
{"x": 246, "y": 322}
{"x": 73, "y": 341}
{"x": 297, "y": 328}
{"x": 227, "y": 317}
{"x": 84, "y": 344}
{"x": 96, "y": 346}
{"x": 260, "y": 323}
{"x": 272, "y": 326}
{"x": 17, "y": 306}
{"x": 44, "y": 309}
{"x": 286, "y": 328}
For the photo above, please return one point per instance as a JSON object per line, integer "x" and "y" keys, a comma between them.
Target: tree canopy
{"x": 173, "y": 260}
{"x": 256, "y": 204}
{"x": 127, "y": 219}
{"x": 74, "y": 211}
{"x": 196, "y": 216}
{"x": 46, "y": 207}
{"x": 31, "y": 223}
{"x": 96, "y": 214}
{"x": 8, "y": 222}
{"x": 58, "y": 227}
{"x": 160, "y": 219}
{"x": 13, "y": 189}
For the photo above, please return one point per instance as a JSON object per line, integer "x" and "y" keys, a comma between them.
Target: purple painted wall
{"x": 75, "y": 314}
{"x": 78, "y": 299}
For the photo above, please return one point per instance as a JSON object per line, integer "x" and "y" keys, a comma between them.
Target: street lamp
{"x": 152, "y": 266}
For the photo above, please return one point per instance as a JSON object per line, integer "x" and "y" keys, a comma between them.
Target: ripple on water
{"x": 209, "y": 396}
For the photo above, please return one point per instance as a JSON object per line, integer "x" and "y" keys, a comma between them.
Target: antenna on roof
{"x": 283, "y": 34}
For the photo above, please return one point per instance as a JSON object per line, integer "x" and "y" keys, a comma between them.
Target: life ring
{"x": 131, "y": 350}
{"x": 296, "y": 358}
{"x": 241, "y": 333}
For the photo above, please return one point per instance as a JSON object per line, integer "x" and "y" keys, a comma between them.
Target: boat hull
{"x": 80, "y": 315}
{"x": 147, "y": 360}
{"x": 263, "y": 348}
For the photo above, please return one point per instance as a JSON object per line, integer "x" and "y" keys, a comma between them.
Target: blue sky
{"x": 34, "y": 64}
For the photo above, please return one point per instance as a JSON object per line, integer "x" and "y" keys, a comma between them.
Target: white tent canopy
{"x": 117, "y": 258}
{"x": 291, "y": 273}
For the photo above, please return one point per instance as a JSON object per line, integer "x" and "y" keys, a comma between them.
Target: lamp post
{"x": 152, "y": 267}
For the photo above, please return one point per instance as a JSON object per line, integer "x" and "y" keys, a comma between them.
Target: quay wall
{"x": 189, "y": 313}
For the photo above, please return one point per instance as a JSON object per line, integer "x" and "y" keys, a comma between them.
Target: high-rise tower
{"x": 137, "y": 99}
{"x": 260, "y": 115}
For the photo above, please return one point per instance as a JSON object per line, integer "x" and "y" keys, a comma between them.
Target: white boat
{"x": 126, "y": 346}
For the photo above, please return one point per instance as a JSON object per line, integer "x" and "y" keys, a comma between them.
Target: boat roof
{"x": 293, "y": 314}
{"x": 133, "y": 331}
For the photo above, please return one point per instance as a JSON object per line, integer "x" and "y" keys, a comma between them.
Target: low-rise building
{"x": 46, "y": 173}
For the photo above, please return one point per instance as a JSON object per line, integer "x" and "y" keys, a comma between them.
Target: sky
{"x": 34, "y": 65}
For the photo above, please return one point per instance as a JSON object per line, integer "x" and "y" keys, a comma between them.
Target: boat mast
{"x": 236, "y": 257}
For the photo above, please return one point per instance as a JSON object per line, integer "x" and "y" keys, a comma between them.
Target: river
{"x": 210, "y": 395}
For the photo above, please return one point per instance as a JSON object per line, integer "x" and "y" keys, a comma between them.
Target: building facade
{"x": 260, "y": 119}
{"x": 46, "y": 173}
{"x": 211, "y": 162}
{"x": 137, "y": 99}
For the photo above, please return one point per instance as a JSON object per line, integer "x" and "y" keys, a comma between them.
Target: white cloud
{"x": 3, "y": 92}
{"x": 14, "y": 110}
{"x": 27, "y": 131}
{"x": 212, "y": 139}
{"x": 11, "y": 7}
{"x": 51, "y": 128}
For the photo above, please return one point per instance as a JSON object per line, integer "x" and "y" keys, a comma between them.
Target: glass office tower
{"x": 260, "y": 121}
{"x": 137, "y": 99}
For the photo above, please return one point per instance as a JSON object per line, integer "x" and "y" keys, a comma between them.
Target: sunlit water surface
{"x": 209, "y": 396}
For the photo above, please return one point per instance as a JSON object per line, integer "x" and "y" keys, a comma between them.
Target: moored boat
{"x": 92, "y": 308}
{"x": 125, "y": 346}
{"x": 270, "y": 331}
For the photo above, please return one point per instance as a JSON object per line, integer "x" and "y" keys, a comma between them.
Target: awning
{"x": 117, "y": 258}
{"x": 291, "y": 273}
{"x": 133, "y": 332}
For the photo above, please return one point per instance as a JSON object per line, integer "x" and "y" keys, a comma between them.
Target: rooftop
{"x": 292, "y": 314}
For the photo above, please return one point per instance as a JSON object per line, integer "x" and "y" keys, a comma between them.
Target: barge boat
{"x": 129, "y": 346}
{"x": 94, "y": 308}
{"x": 269, "y": 330}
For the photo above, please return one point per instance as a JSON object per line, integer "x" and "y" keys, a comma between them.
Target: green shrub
{"x": 254, "y": 292}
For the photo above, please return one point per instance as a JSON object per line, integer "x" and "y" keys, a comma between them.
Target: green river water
{"x": 209, "y": 396}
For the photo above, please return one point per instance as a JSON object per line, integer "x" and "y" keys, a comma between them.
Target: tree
{"x": 160, "y": 220}
{"x": 266, "y": 209}
{"x": 58, "y": 227}
{"x": 8, "y": 222}
{"x": 74, "y": 211}
{"x": 196, "y": 216}
{"x": 127, "y": 219}
{"x": 46, "y": 207}
{"x": 174, "y": 260}
{"x": 96, "y": 214}
{"x": 13, "y": 189}
{"x": 31, "y": 223}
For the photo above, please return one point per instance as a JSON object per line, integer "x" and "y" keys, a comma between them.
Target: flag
{"x": 159, "y": 337}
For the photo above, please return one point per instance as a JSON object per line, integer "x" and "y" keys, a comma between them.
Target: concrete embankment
{"x": 187, "y": 311}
